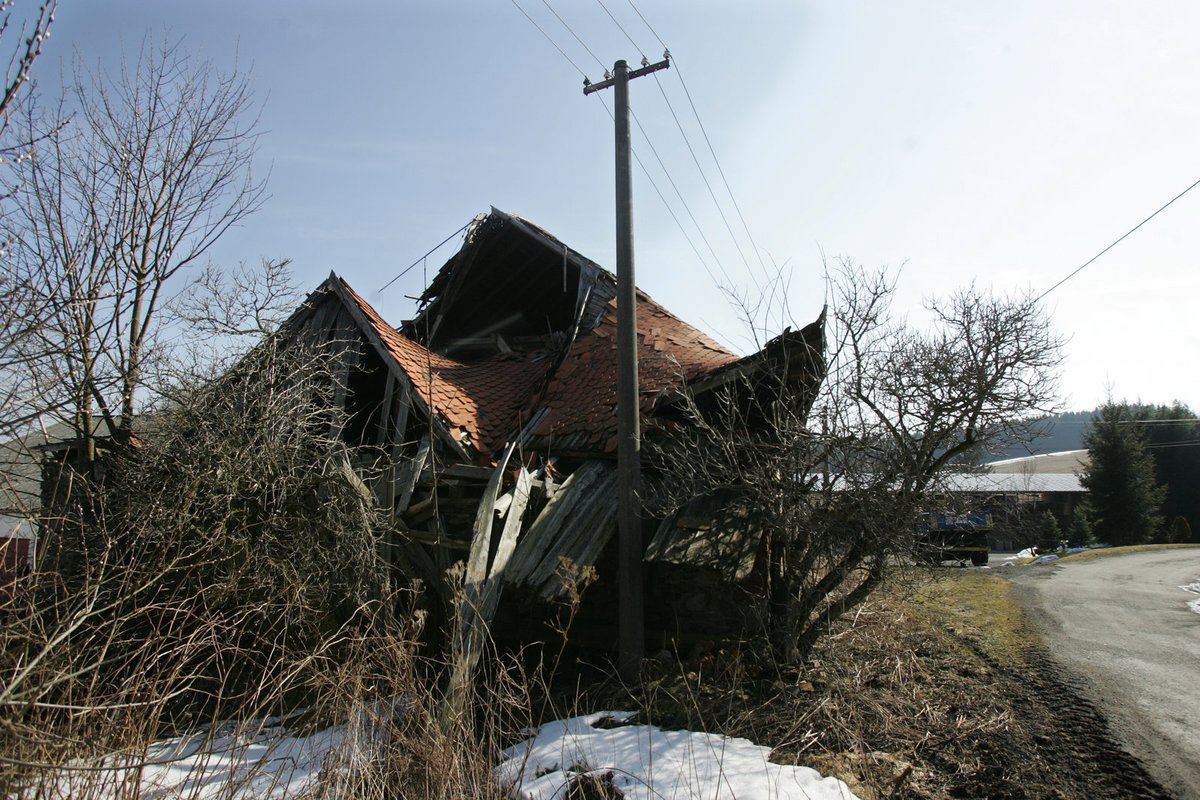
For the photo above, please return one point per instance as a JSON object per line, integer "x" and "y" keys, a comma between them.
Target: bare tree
{"x": 835, "y": 488}
{"x": 152, "y": 168}
{"x": 227, "y": 558}
{"x": 23, "y": 40}
{"x": 29, "y": 38}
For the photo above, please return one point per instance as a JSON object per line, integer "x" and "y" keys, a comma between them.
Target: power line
{"x": 642, "y": 165}
{"x": 1117, "y": 242}
{"x": 667, "y": 205}
{"x": 550, "y": 39}
{"x": 647, "y": 24}
{"x": 636, "y": 157}
{"x": 703, "y": 176}
{"x": 1169, "y": 445}
{"x": 406, "y": 270}
{"x": 686, "y": 207}
{"x": 571, "y": 31}
{"x": 704, "y": 131}
{"x": 712, "y": 151}
{"x": 620, "y": 27}
{"x": 1180, "y": 421}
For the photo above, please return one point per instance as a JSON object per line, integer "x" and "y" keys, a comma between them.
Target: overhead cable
{"x": 712, "y": 151}
{"x": 647, "y": 24}
{"x": 670, "y": 210}
{"x": 571, "y": 31}
{"x": 407, "y": 269}
{"x": 679, "y": 194}
{"x": 703, "y": 176}
{"x": 1081, "y": 267}
{"x": 549, "y": 38}
{"x": 704, "y": 131}
{"x": 621, "y": 27}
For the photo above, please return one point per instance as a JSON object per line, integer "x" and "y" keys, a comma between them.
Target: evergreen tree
{"x": 1081, "y": 533}
{"x": 1049, "y": 534}
{"x": 1120, "y": 478}
{"x": 1172, "y": 435}
{"x": 1181, "y": 532}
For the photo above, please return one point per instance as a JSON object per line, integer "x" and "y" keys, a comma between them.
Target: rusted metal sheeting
{"x": 576, "y": 524}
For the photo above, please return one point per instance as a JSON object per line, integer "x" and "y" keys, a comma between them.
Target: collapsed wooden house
{"x": 489, "y": 428}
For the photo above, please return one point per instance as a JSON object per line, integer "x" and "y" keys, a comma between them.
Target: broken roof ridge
{"x": 550, "y": 239}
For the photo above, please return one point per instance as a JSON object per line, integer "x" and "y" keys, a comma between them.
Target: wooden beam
{"x": 471, "y": 630}
{"x": 504, "y": 550}
{"x": 385, "y": 411}
{"x": 372, "y": 336}
{"x": 406, "y": 476}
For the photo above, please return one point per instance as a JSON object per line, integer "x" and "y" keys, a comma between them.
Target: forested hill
{"x": 1056, "y": 433}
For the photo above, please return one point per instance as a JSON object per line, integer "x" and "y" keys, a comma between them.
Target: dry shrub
{"x": 225, "y": 569}
{"x": 890, "y": 701}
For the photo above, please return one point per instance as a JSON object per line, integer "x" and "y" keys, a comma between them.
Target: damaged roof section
{"x": 581, "y": 399}
{"x": 516, "y": 341}
{"x": 514, "y": 281}
{"x": 488, "y": 422}
{"x": 482, "y": 402}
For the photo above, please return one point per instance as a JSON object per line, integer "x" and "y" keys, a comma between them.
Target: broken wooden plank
{"x": 406, "y": 476}
{"x": 543, "y": 534}
{"x": 372, "y": 336}
{"x": 506, "y": 547}
{"x": 481, "y": 544}
{"x": 459, "y": 472}
{"x": 471, "y": 630}
{"x": 434, "y": 539}
{"x": 592, "y": 522}
{"x": 385, "y": 411}
{"x": 345, "y": 353}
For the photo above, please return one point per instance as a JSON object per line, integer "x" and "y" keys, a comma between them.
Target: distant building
{"x": 1018, "y": 490}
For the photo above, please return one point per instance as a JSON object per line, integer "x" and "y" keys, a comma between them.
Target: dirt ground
{"x": 935, "y": 689}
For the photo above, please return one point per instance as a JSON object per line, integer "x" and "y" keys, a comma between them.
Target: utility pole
{"x": 630, "y": 611}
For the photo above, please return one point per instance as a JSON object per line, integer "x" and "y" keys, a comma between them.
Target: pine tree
{"x": 1081, "y": 532}
{"x": 1181, "y": 532}
{"x": 1120, "y": 478}
{"x": 1049, "y": 534}
{"x": 1173, "y": 437}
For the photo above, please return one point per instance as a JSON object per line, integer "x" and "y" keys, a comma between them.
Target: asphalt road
{"x": 1122, "y": 623}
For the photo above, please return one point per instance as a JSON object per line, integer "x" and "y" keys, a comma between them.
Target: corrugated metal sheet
{"x": 714, "y": 533}
{"x": 1015, "y": 482}
{"x": 576, "y": 525}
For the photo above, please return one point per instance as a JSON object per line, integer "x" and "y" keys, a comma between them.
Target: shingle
{"x": 488, "y": 399}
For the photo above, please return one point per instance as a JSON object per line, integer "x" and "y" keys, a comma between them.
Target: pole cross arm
{"x": 637, "y": 73}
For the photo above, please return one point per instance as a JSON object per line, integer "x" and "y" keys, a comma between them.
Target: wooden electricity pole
{"x": 631, "y": 615}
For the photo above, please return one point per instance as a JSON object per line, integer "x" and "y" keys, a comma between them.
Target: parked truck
{"x": 956, "y": 537}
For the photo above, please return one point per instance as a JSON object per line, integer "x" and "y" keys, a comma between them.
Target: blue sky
{"x": 1001, "y": 143}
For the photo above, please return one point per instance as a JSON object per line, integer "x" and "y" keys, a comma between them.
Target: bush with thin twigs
{"x": 226, "y": 573}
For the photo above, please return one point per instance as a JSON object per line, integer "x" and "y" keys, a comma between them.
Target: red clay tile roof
{"x": 486, "y": 401}
{"x": 581, "y": 398}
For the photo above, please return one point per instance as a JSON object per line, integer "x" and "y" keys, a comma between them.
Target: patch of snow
{"x": 256, "y": 760}
{"x": 1046, "y": 559}
{"x": 646, "y": 762}
{"x": 1194, "y": 588}
{"x": 200, "y": 766}
{"x": 1028, "y": 552}
{"x": 264, "y": 761}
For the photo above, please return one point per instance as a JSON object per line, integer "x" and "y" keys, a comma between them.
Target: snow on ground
{"x": 269, "y": 763}
{"x": 1194, "y": 588}
{"x": 258, "y": 760}
{"x": 646, "y": 762}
